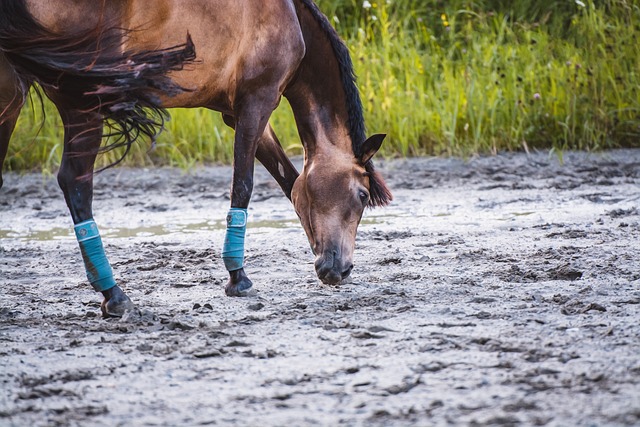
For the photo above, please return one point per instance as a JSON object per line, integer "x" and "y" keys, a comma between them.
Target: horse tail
{"x": 88, "y": 70}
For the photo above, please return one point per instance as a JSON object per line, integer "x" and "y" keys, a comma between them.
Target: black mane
{"x": 357, "y": 130}
{"x": 380, "y": 194}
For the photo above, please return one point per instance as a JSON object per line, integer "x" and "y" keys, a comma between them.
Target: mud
{"x": 497, "y": 291}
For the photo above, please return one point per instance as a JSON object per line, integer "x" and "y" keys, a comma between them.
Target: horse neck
{"x": 317, "y": 95}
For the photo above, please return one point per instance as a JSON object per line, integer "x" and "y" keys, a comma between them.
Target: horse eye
{"x": 364, "y": 196}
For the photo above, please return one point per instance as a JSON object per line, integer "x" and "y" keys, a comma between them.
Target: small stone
{"x": 255, "y": 307}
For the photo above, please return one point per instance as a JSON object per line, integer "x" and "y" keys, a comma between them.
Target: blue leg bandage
{"x": 233, "y": 249}
{"x": 98, "y": 268}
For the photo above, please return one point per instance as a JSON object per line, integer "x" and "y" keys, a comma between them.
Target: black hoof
{"x": 115, "y": 303}
{"x": 239, "y": 285}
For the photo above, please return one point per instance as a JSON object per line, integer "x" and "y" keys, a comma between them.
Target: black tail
{"x": 87, "y": 70}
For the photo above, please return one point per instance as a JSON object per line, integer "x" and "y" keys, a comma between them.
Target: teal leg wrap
{"x": 233, "y": 248}
{"x": 99, "y": 270}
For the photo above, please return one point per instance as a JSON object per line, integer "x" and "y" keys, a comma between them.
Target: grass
{"x": 442, "y": 78}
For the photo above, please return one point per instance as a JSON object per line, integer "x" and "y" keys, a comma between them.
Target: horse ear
{"x": 371, "y": 147}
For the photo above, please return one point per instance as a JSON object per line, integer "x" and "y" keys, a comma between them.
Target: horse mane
{"x": 380, "y": 195}
{"x": 357, "y": 130}
{"x": 87, "y": 70}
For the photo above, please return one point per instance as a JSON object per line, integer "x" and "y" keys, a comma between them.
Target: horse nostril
{"x": 330, "y": 270}
{"x": 347, "y": 272}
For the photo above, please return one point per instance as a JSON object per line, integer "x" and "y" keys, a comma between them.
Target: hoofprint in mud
{"x": 501, "y": 290}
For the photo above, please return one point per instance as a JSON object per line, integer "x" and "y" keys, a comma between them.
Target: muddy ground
{"x": 498, "y": 291}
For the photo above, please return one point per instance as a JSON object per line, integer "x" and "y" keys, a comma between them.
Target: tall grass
{"x": 463, "y": 77}
{"x": 453, "y": 77}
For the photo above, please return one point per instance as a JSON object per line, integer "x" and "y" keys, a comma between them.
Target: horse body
{"x": 242, "y": 45}
{"x": 249, "y": 54}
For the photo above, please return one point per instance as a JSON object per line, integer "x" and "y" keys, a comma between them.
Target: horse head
{"x": 330, "y": 196}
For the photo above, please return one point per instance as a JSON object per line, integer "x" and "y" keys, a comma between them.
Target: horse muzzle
{"x": 331, "y": 270}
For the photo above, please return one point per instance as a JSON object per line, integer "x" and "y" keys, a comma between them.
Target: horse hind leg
{"x": 83, "y": 134}
{"x": 6, "y": 130}
{"x": 11, "y": 100}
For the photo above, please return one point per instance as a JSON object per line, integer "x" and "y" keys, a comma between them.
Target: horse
{"x": 123, "y": 63}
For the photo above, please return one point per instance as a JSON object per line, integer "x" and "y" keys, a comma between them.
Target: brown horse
{"x": 124, "y": 57}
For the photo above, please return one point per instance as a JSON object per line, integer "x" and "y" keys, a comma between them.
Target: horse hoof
{"x": 116, "y": 306}
{"x": 241, "y": 289}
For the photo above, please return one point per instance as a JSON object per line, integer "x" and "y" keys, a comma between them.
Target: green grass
{"x": 445, "y": 78}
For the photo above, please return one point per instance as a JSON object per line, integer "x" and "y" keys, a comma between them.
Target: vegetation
{"x": 456, "y": 77}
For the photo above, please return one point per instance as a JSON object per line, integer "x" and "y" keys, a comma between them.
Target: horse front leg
{"x": 83, "y": 134}
{"x": 272, "y": 156}
{"x": 250, "y": 125}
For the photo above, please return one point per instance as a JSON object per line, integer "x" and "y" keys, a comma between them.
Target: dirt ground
{"x": 495, "y": 291}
